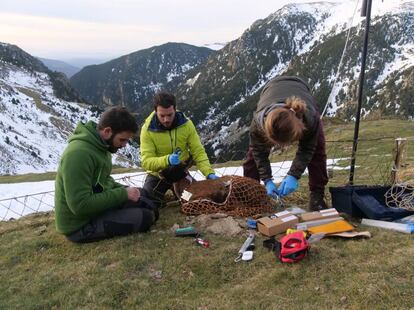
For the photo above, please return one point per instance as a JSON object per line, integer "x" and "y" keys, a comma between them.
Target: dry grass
{"x": 38, "y": 101}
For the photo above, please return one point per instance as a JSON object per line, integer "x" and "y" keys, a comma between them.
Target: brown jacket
{"x": 273, "y": 95}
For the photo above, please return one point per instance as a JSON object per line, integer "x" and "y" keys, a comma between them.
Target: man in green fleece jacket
{"x": 169, "y": 140}
{"x": 89, "y": 204}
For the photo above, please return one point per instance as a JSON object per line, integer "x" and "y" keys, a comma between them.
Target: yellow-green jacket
{"x": 157, "y": 143}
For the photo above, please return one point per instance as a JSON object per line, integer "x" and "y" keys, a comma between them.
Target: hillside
{"x": 60, "y": 66}
{"x": 218, "y": 89}
{"x": 38, "y": 113}
{"x": 133, "y": 79}
{"x": 305, "y": 40}
{"x": 219, "y": 92}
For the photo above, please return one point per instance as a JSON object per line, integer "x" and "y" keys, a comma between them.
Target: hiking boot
{"x": 316, "y": 201}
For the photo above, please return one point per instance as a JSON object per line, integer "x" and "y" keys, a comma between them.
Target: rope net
{"x": 401, "y": 194}
{"x": 231, "y": 195}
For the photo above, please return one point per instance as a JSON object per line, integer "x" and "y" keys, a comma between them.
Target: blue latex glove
{"x": 212, "y": 176}
{"x": 174, "y": 158}
{"x": 288, "y": 185}
{"x": 271, "y": 189}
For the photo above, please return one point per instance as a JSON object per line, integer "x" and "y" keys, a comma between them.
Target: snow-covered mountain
{"x": 305, "y": 40}
{"x": 34, "y": 122}
{"x": 220, "y": 90}
{"x": 217, "y": 89}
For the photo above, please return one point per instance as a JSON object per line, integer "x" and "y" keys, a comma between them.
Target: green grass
{"x": 41, "y": 269}
{"x": 47, "y": 176}
{"x": 28, "y": 177}
{"x": 374, "y": 156}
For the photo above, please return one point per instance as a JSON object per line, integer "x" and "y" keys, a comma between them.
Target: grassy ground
{"x": 36, "y": 177}
{"x": 40, "y": 269}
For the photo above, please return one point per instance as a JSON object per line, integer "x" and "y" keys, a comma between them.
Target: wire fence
{"x": 374, "y": 166}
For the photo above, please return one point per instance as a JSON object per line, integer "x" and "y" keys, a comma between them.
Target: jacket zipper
{"x": 171, "y": 140}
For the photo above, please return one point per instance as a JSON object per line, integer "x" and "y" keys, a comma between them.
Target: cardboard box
{"x": 276, "y": 223}
{"x": 319, "y": 215}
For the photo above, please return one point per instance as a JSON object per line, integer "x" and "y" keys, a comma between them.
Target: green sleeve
{"x": 113, "y": 183}
{"x": 78, "y": 183}
{"x": 149, "y": 159}
{"x": 198, "y": 152}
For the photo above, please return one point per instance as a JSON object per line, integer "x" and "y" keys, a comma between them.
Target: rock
{"x": 174, "y": 227}
{"x": 155, "y": 274}
{"x": 218, "y": 216}
{"x": 219, "y": 224}
{"x": 226, "y": 226}
{"x": 41, "y": 230}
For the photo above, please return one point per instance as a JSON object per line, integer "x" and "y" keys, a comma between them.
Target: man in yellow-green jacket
{"x": 168, "y": 141}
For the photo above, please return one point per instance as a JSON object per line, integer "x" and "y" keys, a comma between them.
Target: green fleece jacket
{"x": 84, "y": 187}
{"x": 157, "y": 143}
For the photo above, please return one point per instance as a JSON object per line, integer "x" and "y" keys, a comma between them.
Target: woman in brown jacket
{"x": 287, "y": 112}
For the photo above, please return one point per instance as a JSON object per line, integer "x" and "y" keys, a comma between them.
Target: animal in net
{"x": 231, "y": 195}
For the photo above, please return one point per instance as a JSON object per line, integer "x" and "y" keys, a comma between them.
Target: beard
{"x": 110, "y": 143}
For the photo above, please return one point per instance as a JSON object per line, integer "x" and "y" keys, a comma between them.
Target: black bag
{"x": 377, "y": 210}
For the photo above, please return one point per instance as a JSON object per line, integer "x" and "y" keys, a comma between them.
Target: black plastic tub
{"x": 342, "y": 200}
{"x": 365, "y": 202}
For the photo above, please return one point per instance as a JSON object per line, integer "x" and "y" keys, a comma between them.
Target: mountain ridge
{"x": 134, "y": 78}
{"x": 219, "y": 89}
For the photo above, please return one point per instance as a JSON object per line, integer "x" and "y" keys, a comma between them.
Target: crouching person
{"x": 286, "y": 113}
{"x": 169, "y": 145}
{"x": 89, "y": 204}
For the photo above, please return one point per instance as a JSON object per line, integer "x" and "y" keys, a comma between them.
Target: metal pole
{"x": 367, "y": 10}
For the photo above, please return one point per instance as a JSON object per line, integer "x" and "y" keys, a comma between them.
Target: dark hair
{"x": 164, "y": 99}
{"x": 119, "y": 119}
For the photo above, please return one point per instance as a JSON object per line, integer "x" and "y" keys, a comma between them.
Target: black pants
{"x": 156, "y": 189}
{"x": 131, "y": 218}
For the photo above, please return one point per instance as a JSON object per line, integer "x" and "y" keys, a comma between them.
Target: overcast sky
{"x": 63, "y": 29}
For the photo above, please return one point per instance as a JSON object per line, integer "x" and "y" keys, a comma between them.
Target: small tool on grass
{"x": 246, "y": 245}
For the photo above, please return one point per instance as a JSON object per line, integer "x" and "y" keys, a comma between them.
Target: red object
{"x": 293, "y": 247}
{"x": 202, "y": 242}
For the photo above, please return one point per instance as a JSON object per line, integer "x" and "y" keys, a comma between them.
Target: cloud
{"x": 91, "y": 28}
{"x": 39, "y": 35}
{"x": 48, "y": 36}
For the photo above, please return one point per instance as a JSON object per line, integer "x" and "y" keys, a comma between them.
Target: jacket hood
{"x": 89, "y": 134}
{"x": 155, "y": 125}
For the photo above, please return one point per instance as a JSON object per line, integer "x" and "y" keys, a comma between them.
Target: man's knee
{"x": 147, "y": 219}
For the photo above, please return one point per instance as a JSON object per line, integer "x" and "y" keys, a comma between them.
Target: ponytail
{"x": 284, "y": 125}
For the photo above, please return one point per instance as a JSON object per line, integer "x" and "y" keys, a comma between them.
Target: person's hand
{"x": 212, "y": 176}
{"x": 288, "y": 185}
{"x": 271, "y": 189}
{"x": 133, "y": 193}
{"x": 174, "y": 158}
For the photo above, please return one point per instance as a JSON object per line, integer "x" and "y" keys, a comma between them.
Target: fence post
{"x": 399, "y": 153}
